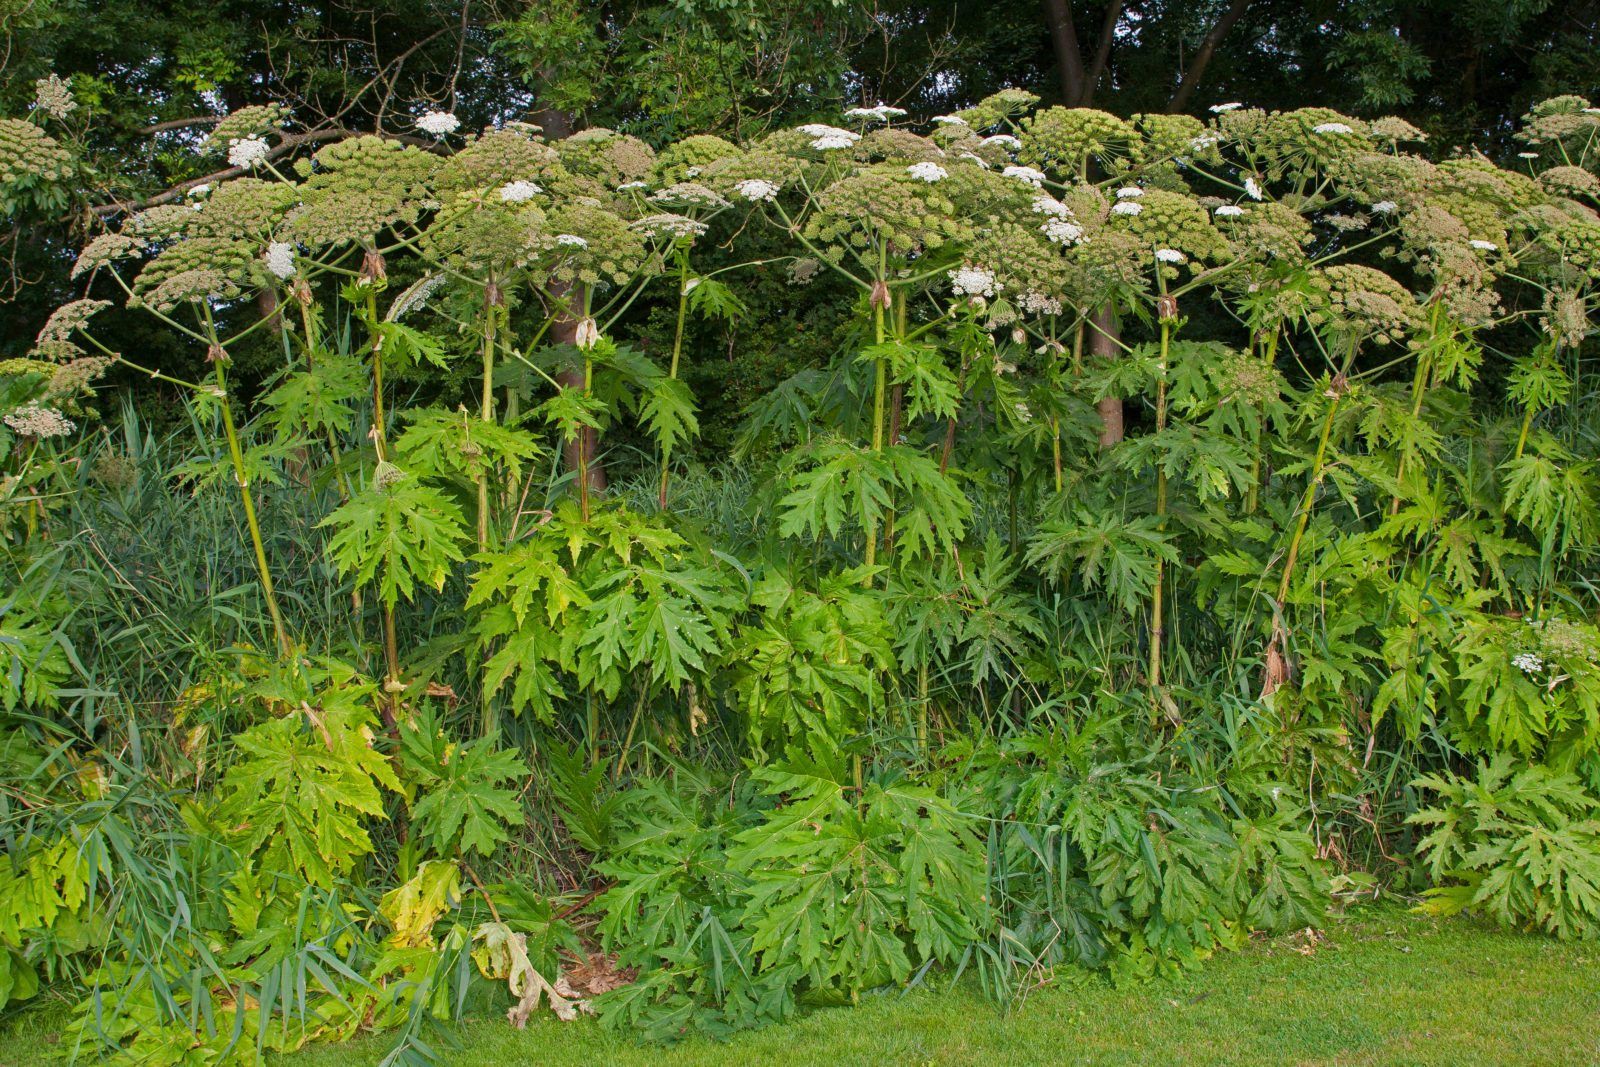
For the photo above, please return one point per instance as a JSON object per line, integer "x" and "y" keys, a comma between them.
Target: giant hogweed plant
{"x": 1157, "y": 453}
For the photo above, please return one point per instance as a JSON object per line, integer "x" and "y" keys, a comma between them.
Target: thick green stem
{"x": 236, "y": 455}
{"x": 1157, "y": 601}
{"x": 1317, "y": 462}
{"x": 880, "y": 300}
{"x": 677, "y": 349}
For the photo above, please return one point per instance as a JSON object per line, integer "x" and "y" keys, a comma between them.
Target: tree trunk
{"x": 1104, "y": 333}
{"x": 1064, "y": 42}
{"x": 582, "y": 452}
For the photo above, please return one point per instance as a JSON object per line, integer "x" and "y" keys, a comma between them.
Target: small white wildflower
{"x": 246, "y": 151}
{"x": 831, "y": 141}
{"x": 1049, "y": 205}
{"x": 950, "y": 120}
{"x": 438, "y": 123}
{"x": 1062, "y": 232}
{"x": 54, "y": 97}
{"x": 1252, "y": 189}
{"x": 1220, "y": 109}
{"x": 1127, "y": 207}
{"x": 757, "y": 189}
{"x": 1528, "y": 662}
{"x": 1005, "y": 140}
{"x": 571, "y": 240}
{"x": 1169, "y": 255}
{"x": 973, "y": 281}
{"x": 1383, "y": 207}
{"x": 1129, "y": 192}
{"x": 1230, "y": 211}
{"x": 1484, "y": 246}
{"x": 928, "y": 172}
{"x": 1332, "y": 127}
{"x": 279, "y": 258}
{"x": 1033, "y": 177}
{"x": 519, "y": 192}
{"x": 1204, "y": 143}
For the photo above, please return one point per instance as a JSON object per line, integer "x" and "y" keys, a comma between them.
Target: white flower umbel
{"x": 1230, "y": 211}
{"x": 628, "y": 186}
{"x": 831, "y": 141}
{"x": 33, "y": 420}
{"x": 1129, "y": 192}
{"x": 1004, "y": 140}
{"x": 828, "y": 137}
{"x": 1528, "y": 662}
{"x": 973, "y": 281}
{"x": 1484, "y": 246}
{"x": 438, "y": 123}
{"x": 950, "y": 120}
{"x": 927, "y": 172}
{"x": 1062, "y": 231}
{"x": 1384, "y": 207}
{"x": 1127, "y": 207}
{"x": 1331, "y": 127}
{"x": 1252, "y": 189}
{"x": 882, "y": 113}
{"x": 571, "y": 240}
{"x": 1049, "y": 205}
{"x": 279, "y": 258}
{"x": 1222, "y": 109}
{"x": 1204, "y": 143}
{"x": 983, "y": 164}
{"x": 1169, "y": 255}
{"x": 247, "y": 152}
{"x": 1039, "y": 304}
{"x": 756, "y": 189}
{"x": 519, "y": 192}
{"x": 1033, "y": 177}
{"x": 198, "y": 191}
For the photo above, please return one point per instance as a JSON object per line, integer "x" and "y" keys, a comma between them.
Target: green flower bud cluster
{"x": 1063, "y": 140}
{"x": 1310, "y": 140}
{"x": 1570, "y": 181}
{"x": 608, "y": 157}
{"x": 194, "y": 269}
{"x": 885, "y": 204}
{"x": 692, "y": 154}
{"x": 890, "y": 145}
{"x": 245, "y": 208}
{"x": 480, "y": 234}
{"x": 496, "y": 158}
{"x": 246, "y": 122}
{"x": 1266, "y": 231}
{"x": 1358, "y": 303}
{"x": 1171, "y": 220}
{"x": 356, "y": 188}
{"x": 1559, "y": 118}
{"x": 29, "y": 156}
{"x": 585, "y": 244}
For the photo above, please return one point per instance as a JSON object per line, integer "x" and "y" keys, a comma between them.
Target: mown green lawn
{"x": 1383, "y": 988}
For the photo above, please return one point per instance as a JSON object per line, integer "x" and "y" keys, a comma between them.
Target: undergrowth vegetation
{"x": 1159, "y": 529}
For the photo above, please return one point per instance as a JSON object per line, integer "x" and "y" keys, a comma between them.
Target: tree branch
{"x": 1064, "y": 41}
{"x": 1102, "y": 53}
{"x": 1202, "y": 56}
